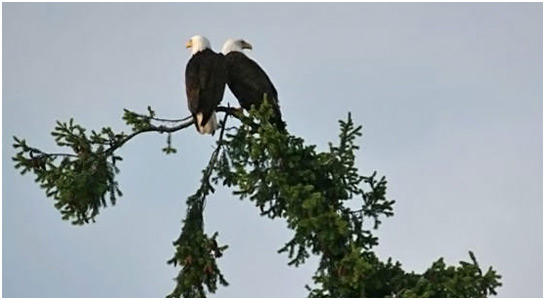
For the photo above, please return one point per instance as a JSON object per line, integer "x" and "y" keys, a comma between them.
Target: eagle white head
{"x": 235, "y": 45}
{"x": 198, "y": 43}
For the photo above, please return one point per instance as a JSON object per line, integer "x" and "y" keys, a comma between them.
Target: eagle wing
{"x": 248, "y": 81}
{"x": 205, "y": 79}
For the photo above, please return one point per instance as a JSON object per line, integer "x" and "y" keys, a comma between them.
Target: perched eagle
{"x": 247, "y": 80}
{"x": 205, "y": 79}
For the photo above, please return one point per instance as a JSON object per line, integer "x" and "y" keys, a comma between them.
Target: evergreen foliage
{"x": 332, "y": 210}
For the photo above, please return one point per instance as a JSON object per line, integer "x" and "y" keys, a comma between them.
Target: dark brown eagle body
{"x": 249, "y": 83}
{"x": 205, "y": 79}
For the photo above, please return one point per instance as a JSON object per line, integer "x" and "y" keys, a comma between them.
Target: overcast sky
{"x": 450, "y": 97}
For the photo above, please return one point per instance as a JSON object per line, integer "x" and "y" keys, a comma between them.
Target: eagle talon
{"x": 238, "y": 111}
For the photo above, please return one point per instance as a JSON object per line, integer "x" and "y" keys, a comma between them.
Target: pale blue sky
{"x": 450, "y": 97}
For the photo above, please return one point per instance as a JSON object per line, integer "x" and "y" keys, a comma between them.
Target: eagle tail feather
{"x": 210, "y": 126}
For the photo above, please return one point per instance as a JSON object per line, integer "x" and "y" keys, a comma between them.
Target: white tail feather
{"x": 209, "y": 127}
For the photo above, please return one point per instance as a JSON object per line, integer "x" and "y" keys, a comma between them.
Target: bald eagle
{"x": 247, "y": 80}
{"x": 205, "y": 79}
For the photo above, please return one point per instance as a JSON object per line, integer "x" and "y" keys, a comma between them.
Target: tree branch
{"x": 160, "y": 129}
{"x": 34, "y": 150}
{"x": 187, "y": 122}
{"x": 229, "y": 111}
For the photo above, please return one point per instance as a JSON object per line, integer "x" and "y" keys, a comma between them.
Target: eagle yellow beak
{"x": 246, "y": 45}
{"x": 189, "y": 44}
